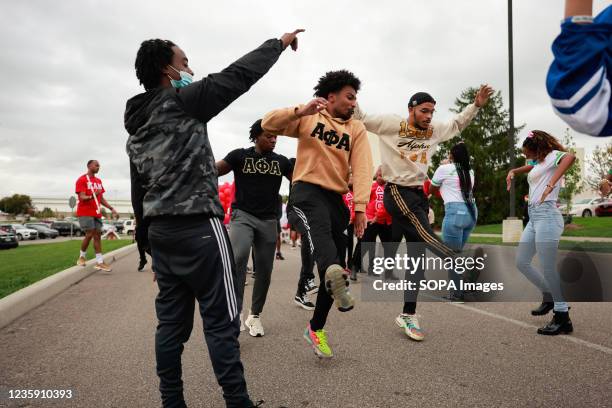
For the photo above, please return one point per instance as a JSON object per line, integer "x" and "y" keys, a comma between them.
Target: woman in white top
{"x": 455, "y": 181}
{"x": 545, "y": 226}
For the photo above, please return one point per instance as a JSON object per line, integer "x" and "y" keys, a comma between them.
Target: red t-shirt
{"x": 377, "y": 194}
{"x": 88, "y": 208}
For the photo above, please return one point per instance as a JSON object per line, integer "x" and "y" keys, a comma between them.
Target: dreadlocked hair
{"x": 334, "y": 81}
{"x": 541, "y": 143}
{"x": 461, "y": 159}
{"x": 152, "y": 57}
{"x": 255, "y": 131}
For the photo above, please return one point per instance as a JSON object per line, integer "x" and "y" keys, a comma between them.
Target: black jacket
{"x": 172, "y": 167}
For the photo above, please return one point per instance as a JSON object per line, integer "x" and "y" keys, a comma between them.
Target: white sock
{"x": 99, "y": 258}
{"x": 83, "y": 254}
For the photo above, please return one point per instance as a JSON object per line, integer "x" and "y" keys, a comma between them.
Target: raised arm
{"x": 449, "y": 129}
{"x": 204, "y": 99}
{"x": 286, "y": 121}
{"x": 377, "y": 124}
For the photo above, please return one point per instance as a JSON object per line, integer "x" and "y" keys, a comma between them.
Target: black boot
{"x": 560, "y": 324}
{"x": 545, "y": 307}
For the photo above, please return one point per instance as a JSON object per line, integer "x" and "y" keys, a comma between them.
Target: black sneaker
{"x": 141, "y": 265}
{"x": 302, "y": 300}
{"x": 279, "y": 256}
{"x": 311, "y": 288}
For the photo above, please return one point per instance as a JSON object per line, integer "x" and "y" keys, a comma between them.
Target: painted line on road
{"x": 569, "y": 338}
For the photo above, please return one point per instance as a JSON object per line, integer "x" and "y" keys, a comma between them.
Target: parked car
{"x": 604, "y": 209}
{"x": 63, "y": 227}
{"x": 118, "y": 226}
{"x": 43, "y": 230}
{"x": 8, "y": 237}
{"x": 129, "y": 226}
{"x": 24, "y": 232}
{"x": 583, "y": 207}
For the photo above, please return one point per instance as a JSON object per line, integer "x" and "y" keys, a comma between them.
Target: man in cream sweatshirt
{"x": 330, "y": 145}
{"x": 406, "y": 147}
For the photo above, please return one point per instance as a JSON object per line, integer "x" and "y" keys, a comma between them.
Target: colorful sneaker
{"x": 336, "y": 283}
{"x": 103, "y": 267}
{"x": 318, "y": 341}
{"x": 311, "y": 287}
{"x": 254, "y": 325}
{"x": 411, "y": 327}
{"x": 302, "y": 301}
{"x": 81, "y": 261}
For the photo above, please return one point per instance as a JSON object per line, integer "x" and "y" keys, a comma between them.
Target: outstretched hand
{"x": 312, "y": 107}
{"x": 291, "y": 39}
{"x": 483, "y": 95}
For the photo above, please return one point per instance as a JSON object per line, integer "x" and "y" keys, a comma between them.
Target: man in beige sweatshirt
{"x": 330, "y": 143}
{"x": 406, "y": 147}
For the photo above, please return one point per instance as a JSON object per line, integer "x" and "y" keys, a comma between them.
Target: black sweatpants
{"x": 192, "y": 259}
{"x": 409, "y": 210}
{"x": 322, "y": 216}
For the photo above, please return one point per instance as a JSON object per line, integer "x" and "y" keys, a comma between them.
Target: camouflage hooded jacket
{"x": 172, "y": 167}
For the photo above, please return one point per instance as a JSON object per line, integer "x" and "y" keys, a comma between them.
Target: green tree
{"x": 599, "y": 165}
{"x": 487, "y": 141}
{"x": 573, "y": 183}
{"x": 45, "y": 213}
{"x": 16, "y": 204}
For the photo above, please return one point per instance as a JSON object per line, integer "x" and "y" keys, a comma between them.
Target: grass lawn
{"x": 22, "y": 266}
{"x": 604, "y": 247}
{"x": 582, "y": 227}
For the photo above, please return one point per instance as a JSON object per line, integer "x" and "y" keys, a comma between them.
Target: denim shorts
{"x": 90, "y": 223}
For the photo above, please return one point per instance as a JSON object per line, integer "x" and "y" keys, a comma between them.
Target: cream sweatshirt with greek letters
{"x": 327, "y": 149}
{"x": 405, "y": 151}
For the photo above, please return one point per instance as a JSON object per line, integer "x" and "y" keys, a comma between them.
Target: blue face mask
{"x": 186, "y": 79}
{"x": 531, "y": 162}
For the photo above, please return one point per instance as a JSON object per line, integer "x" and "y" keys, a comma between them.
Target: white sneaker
{"x": 254, "y": 324}
{"x": 410, "y": 324}
{"x": 242, "y": 328}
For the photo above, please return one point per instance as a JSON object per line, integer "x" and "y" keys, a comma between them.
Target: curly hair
{"x": 152, "y": 57}
{"x": 334, "y": 81}
{"x": 255, "y": 131}
{"x": 541, "y": 143}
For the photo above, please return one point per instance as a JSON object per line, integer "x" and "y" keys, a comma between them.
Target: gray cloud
{"x": 67, "y": 69}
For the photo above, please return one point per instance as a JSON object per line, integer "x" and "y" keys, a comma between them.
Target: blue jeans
{"x": 456, "y": 229}
{"x": 541, "y": 236}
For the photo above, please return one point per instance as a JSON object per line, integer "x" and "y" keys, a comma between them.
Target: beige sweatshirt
{"x": 327, "y": 148}
{"x": 405, "y": 152}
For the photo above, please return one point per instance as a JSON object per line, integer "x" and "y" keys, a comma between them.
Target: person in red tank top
{"x": 90, "y": 192}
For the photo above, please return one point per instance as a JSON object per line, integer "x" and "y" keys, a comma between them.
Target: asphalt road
{"x": 97, "y": 339}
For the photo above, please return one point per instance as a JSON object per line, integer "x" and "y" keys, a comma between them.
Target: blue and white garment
{"x": 578, "y": 81}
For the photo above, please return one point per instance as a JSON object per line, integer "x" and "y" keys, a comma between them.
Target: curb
{"x": 21, "y": 302}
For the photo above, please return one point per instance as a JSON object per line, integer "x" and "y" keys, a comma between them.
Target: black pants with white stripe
{"x": 193, "y": 260}
{"x": 409, "y": 210}
{"x": 321, "y": 215}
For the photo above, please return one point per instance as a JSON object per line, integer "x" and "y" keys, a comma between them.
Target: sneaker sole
{"x": 314, "y": 349}
{"x": 102, "y": 269}
{"x": 407, "y": 332}
{"x": 303, "y": 306}
{"x": 337, "y": 285}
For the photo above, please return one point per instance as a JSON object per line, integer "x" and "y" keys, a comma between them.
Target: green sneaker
{"x": 318, "y": 341}
{"x": 337, "y": 286}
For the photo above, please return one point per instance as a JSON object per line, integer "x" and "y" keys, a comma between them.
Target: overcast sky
{"x": 67, "y": 69}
